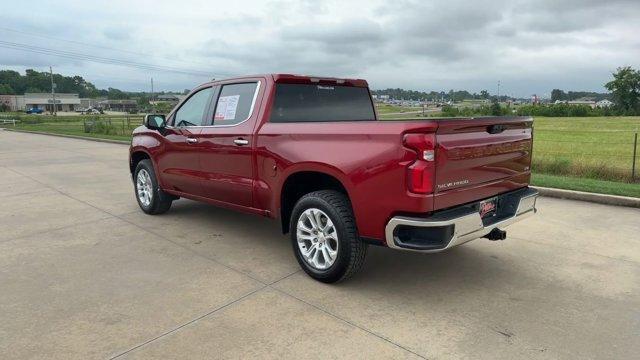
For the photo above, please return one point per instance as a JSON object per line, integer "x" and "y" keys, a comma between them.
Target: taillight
{"x": 421, "y": 173}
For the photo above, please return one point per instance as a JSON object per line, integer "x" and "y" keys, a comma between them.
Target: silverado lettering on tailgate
{"x": 472, "y": 152}
{"x": 453, "y": 184}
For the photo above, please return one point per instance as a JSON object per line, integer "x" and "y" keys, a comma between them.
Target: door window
{"x": 191, "y": 113}
{"x": 235, "y": 103}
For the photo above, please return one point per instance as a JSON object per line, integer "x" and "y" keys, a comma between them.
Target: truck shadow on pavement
{"x": 255, "y": 245}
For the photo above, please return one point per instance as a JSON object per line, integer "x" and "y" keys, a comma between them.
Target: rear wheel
{"x": 324, "y": 236}
{"x": 151, "y": 199}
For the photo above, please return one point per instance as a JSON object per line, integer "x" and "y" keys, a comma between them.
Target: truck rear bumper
{"x": 448, "y": 228}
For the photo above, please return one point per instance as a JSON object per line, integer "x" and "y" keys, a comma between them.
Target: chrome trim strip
{"x": 466, "y": 228}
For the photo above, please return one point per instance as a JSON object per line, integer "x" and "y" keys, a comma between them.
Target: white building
{"x": 583, "y": 101}
{"x": 44, "y": 101}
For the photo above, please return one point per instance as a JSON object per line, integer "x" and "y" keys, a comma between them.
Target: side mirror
{"x": 155, "y": 121}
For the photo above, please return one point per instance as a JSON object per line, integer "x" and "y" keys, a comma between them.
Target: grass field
{"x": 589, "y": 147}
{"x": 593, "y": 154}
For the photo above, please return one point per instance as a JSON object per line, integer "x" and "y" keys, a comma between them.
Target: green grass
{"x": 587, "y": 185}
{"x": 590, "y": 147}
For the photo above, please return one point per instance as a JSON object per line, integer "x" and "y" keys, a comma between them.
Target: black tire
{"x": 351, "y": 249}
{"x": 160, "y": 201}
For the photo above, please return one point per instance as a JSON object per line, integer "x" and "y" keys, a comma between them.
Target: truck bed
{"x": 368, "y": 156}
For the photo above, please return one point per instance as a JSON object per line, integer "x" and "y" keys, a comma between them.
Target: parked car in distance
{"x": 93, "y": 111}
{"x": 34, "y": 110}
{"x": 310, "y": 152}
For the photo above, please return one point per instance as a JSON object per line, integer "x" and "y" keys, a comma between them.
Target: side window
{"x": 234, "y": 103}
{"x": 191, "y": 113}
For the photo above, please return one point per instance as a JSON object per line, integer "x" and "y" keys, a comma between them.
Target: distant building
{"x": 86, "y": 103}
{"x": 118, "y": 105}
{"x": 535, "y": 99}
{"x": 581, "y": 101}
{"x": 604, "y": 103}
{"x": 44, "y": 101}
{"x": 13, "y": 102}
{"x": 380, "y": 98}
{"x": 172, "y": 99}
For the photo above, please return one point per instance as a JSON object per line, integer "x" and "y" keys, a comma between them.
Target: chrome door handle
{"x": 241, "y": 142}
{"x": 192, "y": 140}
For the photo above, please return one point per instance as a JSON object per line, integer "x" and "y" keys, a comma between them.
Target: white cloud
{"x": 531, "y": 47}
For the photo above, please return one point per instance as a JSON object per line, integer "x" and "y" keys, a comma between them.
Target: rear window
{"x": 311, "y": 103}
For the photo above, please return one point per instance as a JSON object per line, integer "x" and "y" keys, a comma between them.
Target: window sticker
{"x": 226, "y": 108}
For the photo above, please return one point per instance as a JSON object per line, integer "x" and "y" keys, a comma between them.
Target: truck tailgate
{"x": 481, "y": 157}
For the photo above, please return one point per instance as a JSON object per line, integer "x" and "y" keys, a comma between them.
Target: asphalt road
{"x": 85, "y": 274}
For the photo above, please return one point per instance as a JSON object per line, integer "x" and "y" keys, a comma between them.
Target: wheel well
{"x": 136, "y": 157}
{"x": 301, "y": 183}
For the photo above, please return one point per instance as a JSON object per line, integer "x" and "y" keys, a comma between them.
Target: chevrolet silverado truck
{"x": 311, "y": 152}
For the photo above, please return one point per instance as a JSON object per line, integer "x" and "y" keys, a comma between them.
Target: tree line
{"x": 451, "y": 95}
{"x": 624, "y": 93}
{"x": 14, "y": 83}
{"x": 557, "y": 94}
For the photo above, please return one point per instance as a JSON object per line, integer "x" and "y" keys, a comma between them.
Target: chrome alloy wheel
{"x": 144, "y": 187}
{"x": 317, "y": 239}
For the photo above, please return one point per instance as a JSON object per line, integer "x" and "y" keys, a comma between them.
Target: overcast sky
{"x": 530, "y": 46}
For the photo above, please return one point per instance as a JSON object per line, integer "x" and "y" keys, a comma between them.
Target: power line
{"x": 98, "y": 46}
{"x": 100, "y": 59}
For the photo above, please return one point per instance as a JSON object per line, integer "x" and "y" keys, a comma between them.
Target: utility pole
{"x": 153, "y": 105}
{"x": 498, "y": 91}
{"x": 53, "y": 92}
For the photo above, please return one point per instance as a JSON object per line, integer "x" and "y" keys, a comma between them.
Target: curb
{"x": 110, "y": 141}
{"x": 590, "y": 197}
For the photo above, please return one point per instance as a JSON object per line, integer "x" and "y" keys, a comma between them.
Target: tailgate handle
{"x": 496, "y": 129}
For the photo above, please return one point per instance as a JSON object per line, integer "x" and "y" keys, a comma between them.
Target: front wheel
{"x": 151, "y": 198}
{"x": 325, "y": 238}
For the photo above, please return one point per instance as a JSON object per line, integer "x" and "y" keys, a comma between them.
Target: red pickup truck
{"x": 310, "y": 152}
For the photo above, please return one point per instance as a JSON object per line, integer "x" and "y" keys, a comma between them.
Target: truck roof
{"x": 304, "y": 79}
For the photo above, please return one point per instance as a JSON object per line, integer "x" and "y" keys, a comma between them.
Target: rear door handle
{"x": 192, "y": 140}
{"x": 241, "y": 142}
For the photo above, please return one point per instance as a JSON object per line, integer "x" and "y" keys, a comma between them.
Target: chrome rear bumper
{"x": 458, "y": 229}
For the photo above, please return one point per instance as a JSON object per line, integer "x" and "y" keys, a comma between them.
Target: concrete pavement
{"x": 85, "y": 274}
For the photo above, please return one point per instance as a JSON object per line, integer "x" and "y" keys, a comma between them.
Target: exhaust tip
{"x": 496, "y": 234}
